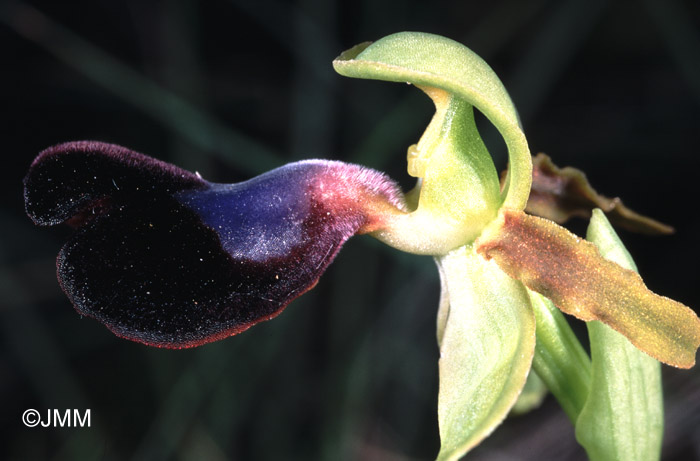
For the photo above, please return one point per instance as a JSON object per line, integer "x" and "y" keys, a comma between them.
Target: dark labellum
{"x": 165, "y": 258}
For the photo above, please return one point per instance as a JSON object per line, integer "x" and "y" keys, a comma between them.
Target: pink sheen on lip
{"x": 357, "y": 190}
{"x": 162, "y": 257}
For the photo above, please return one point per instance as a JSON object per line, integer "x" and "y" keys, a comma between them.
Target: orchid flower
{"x": 166, "y": 258}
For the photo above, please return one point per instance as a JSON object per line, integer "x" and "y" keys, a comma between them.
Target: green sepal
{"x": 486, "y": 350}
{"x": 459, "y": 191}
{"x": 623, "y": 416}
{"x": 532, "y": 395}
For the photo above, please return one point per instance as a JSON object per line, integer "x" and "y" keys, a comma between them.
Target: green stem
{"x": 560, "y": 360}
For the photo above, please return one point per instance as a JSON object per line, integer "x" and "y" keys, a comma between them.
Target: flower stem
{"x": 560, "y": 360}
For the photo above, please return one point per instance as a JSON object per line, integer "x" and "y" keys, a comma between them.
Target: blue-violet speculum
{"x": 164, "y": 257}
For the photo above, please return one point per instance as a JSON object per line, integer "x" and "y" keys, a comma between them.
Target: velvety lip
{"x": 163, "y": 257}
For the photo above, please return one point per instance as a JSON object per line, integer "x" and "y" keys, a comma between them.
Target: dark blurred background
{"x": 232, "y": 88}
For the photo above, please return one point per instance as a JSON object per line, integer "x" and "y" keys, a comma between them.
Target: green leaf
{"x": 560, "y": 360}
{"x": 623, "y": 416}
{"x": 459, "y": 191}
{"x": 486, "y": 350}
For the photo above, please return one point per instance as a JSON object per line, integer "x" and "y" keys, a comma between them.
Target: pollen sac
{"x": 163, "y": 257}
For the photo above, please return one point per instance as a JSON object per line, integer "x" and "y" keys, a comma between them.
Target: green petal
{"x": 623, "y": 416}
{"x": 459, "y": 194}
{"x": 559, "y": 194}
{"x": 486, "y": 350}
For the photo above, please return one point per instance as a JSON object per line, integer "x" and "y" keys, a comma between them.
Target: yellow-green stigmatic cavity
{"x": 458, "y": 188}
{"x": 459, "y": 191}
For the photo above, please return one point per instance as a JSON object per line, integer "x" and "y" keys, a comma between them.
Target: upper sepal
{"x": 165, "y": 258}
{"x": 432, "y": 61}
